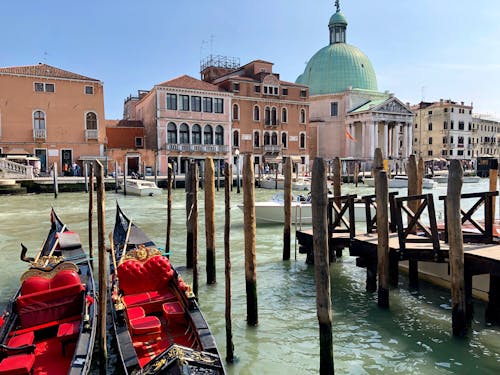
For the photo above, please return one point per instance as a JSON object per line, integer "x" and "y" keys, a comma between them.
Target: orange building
{"x": 269, "y": 116}
{"x": 53, "y": 114}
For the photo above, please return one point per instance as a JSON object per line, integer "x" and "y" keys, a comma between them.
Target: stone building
{"x": 485, "y": 136}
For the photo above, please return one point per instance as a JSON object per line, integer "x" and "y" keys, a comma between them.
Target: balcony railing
{"x": 91, "y": 134}
{"x": 197, "y": 148}
{"x": 272, "y": 148}
{"x": 39, "y": 134}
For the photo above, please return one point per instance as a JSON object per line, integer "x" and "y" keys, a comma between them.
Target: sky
{"x": 420, "y": 49}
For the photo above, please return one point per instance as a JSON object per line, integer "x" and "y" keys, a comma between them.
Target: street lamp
{"x": 237, "y": 153}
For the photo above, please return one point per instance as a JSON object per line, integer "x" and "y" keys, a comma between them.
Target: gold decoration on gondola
{"x": 159, "y": 364}
{"x": 141, "y": 253}
{"x": 48, "y": 267}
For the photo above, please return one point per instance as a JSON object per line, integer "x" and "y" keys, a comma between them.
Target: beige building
{"x": 486, "y": 136}
{"x": 443, "y": 130}
{"x": 51, "y": 113}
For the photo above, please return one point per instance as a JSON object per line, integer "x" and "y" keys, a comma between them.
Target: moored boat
{"x": 401, "y": 182}
{"x": 158, "y": 324}
{"x": 141, "y": 188}
{"x": 49, "y": 325}
{"x": 298, "y": 183}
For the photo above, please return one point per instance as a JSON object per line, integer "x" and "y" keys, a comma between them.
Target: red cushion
{"x": 36, "y": 284}
{"x": 136, "y": 277}
{"x": 23, "y": 339}
{"x": 173, "y": 311}
{"x": 136, "y": 299}
{"x": 19, "y": 364}
{"x": 148, "y": 324}
{"x": 135, "y": 312}
{"x": 65, "y": 277}
{"x": 68, "y": 330}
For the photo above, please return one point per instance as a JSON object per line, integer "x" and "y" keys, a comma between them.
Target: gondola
{"x": 158, "y": 324}
{"x": 49, "y": 325}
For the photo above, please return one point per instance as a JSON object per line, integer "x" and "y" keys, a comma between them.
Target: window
{"x": 236, "y": 112}
{"x": 236, "y": 86}
{"x": 196, "y": 134}
{"x": 44, "y": 87}
{"x": 303, "y": 93}
{"x": 184, "y": 103}
{"x": 430, "y": 140}
{"x": 284, "y": 140}
{"x": 236, "y": 138}
{"x": 451, "y": 151}
{"x": 138, "y": 142}
{"x": 172, "y": 101}
{"x": 271, "y": 90}
{"x": 184, "y": 134}
{"x": 460, "y": 152}
{"x": 445, "y": 110}
{"x": 219, "y": 135}
{"x": 39, "y": 120}
{"x": 267, "y": 116}
{"x": 451, "y": 140}
{"x": 285, "y": 92}
{"x": 207, "y": 105}
{"x": 284, "y": 117}
{"x": 256, "y": 139}
{"x": 334, "y": 109}
{"x": 430, "y": 112}
{"x": 219, "y": 105}
{"x": 267, "y": 139}
{"x": 444, "y": 140}
{"x": 461, "y": 125}
{"x": 445, "y": 125}
{"x": 429, "y": 153}
{"x": 208, "y": 135}
{"x": 273, "y": 116}
{"x": 444, "y": 152}
{"x": 302, "y": 116}
{"x": 461, "y": 141}
{"x": 171, "y": 133}
{"x": 451, "y": 124}
{"x": 429, "y": 127}
{"x": 89, "y": 90}
{"x": 91, "y": 121}
{"x": 257, "y": 88}
{"x": 196, "y": 103}
{"x": 274, "y": 139}
{"x": 256, "y": 113}
{"x": 302, "y": 143}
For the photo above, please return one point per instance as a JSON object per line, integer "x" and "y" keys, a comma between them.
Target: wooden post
{"x": 287, "y": 208}
{"x": 56, "y": 184}
{"x": 155, "y": 166}
{"x": 116, "y": 177}
{"x": 276, "y": 179}
{"x": 412, "y": 173}
{"x": 456, "y": 253}
{"x": 227, "y": 261}
{"x": 321, "y": 265}
{"x": 91, "y": 213}
{"x": 169, "y": 208}
{"x": 103, "y": 268}
{"x": 191, "y": 212}
{"x": 85, "y": 174}
{"x": 382, "y": 200}
{"x": 337, "y": 180}
{"x": 210, "y": 220}
{"x": 174, "y": 173}
{"x": 356, "y": 173}
{"x": 493, "y": 182}
{"x": 250, "y": 233}
{"x": 420, "y": 175}
{"x": 217, "y": 171}
{"x": 125, "y": 169}
{"x": 193, "y": 223}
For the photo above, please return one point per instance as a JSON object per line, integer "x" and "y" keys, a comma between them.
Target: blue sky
{"x": 428, "y": 49}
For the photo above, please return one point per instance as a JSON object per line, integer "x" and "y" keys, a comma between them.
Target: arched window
{"x": 39, "y": 120}
{"x": 208, "y": 135}
{"x": 236, "y": 112}
{"x": 171, "y": 133}
{"x": 267, "y": 116}
{"x": 284, "y": 140}
{"x": 267, "y": 139}
{"x": 302, "y": 116}
{"x": 256, "y": 139}
{"x": 91, "y": 121}
{"x": 184, "y": 133}
{"x": 256, "y": 113}
{"x": 274, "y": 139}
{"x": 302, "y": 140}
{"x": 284, "y": 115}
{"x": 196, "y": 134}
{"x": 236, "y": 138}
{"x": 273, "y": 116}
{"x": 219, "y": 135}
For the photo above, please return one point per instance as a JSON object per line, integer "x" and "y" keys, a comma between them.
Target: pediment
{"x": 392, "y": 105}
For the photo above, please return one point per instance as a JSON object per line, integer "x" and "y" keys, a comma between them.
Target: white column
{"x": 396, "y": 140}
{"x": 374, "y": 139}
{"x": 386, "y": 151}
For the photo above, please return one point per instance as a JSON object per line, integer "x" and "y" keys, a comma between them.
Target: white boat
{"x": 443, "y": 179}
{"x": 272, "y": 211}
{"x": 298, "y": 183}
{"x": 142, "y": 188}
{"x": 401, "y": 181}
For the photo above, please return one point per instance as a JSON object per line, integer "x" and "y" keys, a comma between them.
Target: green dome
{"x": 336, "y": 67}
{"x": 338, "y": 18}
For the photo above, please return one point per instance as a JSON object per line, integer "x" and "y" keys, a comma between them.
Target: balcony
{"x": 184, "y": 147}
{"x": 91, "y": 134}
{"x": 272, "y": 148}
{"x": 39, "y": 134}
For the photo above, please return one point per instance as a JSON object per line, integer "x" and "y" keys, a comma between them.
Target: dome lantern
{"x": 337, "y": 26}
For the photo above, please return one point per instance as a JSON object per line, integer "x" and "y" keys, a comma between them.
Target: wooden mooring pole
{"x": 189, "y": 210}
{"x": 337, "y": 180}
{"x": 56, "y": 185}
{"x": 116, "y": 177}
{"x": 210, "y": 220}
{"x": 103, "y": 274}
{"x": 456, "y": 253}
{"x": 169, "y": 209}
{"x": 227, "y": 261}
{"x": 382, "y": 199}
{"x": 193, "y": 223}
{"x": 412, "y": 172}
{"x": 493, "y": 182}
{"x": 250, "y": 233}
{"x": 91, "y": 213}
{"x": 85, "y": 174}
{"x": 287, "y": 208}
{"x": 125, "y": 169}
{"x": 321, "y": 265}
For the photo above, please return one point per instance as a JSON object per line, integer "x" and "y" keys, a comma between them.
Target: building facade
{"x": 53, "y": 114}
{"x": 269, "y": 116}
{"x": 443, "y": 130}
{"x": 184, "y": 119}
{"x": 485, "y": 136}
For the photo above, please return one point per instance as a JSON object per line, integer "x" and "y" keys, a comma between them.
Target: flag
{"x": 349, "y": 136}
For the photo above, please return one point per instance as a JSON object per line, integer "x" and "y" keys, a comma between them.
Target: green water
{"x": 412, "y": 337}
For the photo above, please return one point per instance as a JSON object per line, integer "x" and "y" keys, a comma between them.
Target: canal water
{"x": 412, "y": 337}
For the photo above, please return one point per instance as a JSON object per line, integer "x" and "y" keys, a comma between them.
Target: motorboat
{"x": 401, "y": 181}
{"x": 272, "y": 211}
{"x": 443, "y": 179}
{"x": 298, "y": 183}
{"x": 141, "y": 187}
